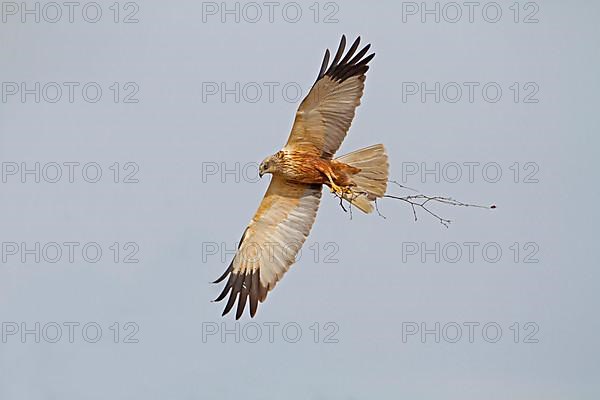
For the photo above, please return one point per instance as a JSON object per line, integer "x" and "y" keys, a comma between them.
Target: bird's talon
{"x": 341, "y": 191}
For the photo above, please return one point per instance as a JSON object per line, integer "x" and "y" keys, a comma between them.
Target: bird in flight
{"x": 271, "y": 242}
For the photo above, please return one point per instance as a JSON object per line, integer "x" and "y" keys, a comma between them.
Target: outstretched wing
{"x": 325, "y": 114}
{"x": 270, "y": 243}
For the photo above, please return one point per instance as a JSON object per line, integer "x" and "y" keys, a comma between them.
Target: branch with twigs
{"x": 423, "y": 202}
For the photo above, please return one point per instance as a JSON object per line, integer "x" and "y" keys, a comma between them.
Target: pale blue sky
{"x": 356, "y": 274}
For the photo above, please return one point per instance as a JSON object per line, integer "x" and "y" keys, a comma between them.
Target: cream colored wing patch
{"x": 324, "y": 116}
{"x": 270, "y": 243}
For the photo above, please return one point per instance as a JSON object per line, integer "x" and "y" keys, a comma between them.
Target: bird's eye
{"x": 266, "y": 165}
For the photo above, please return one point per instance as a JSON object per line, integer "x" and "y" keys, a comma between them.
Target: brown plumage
{"x": 287, "y": 212}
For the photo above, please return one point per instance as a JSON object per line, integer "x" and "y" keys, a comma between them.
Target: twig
{"x": 377, "y": 209}
{"x": 402, "y": 186}
{"x": 421, "y": 200}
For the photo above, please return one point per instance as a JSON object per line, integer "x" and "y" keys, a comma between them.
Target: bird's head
{"x": 270, "y": 164}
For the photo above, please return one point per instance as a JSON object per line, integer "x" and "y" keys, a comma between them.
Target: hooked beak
{"x": 260, "y": 173}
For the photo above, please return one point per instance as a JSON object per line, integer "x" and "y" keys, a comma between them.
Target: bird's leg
{"x": 340, "y": 191}
{"x": 334, "y": 188}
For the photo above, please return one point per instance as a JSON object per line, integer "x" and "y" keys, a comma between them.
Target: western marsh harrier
{"x": 283, "y": 220}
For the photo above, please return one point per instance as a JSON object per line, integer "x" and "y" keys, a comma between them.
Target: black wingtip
{"x": 324, "y": 65}
{"x": 254, "y": 292}
{"x": 243, "y": 288}
{"x": 352, "y": 64}
{"x": 227, "y": 271}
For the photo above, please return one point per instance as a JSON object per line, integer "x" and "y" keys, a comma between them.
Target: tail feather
{"x": 371, "y": 181}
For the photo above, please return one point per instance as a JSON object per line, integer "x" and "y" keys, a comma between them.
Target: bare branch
{"x": 422, "y": 201}
{"x": 377, "y": 209}
{"x": 402, "y": 186}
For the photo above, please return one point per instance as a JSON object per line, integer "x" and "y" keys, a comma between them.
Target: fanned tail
{"x": 371, "y": 181}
